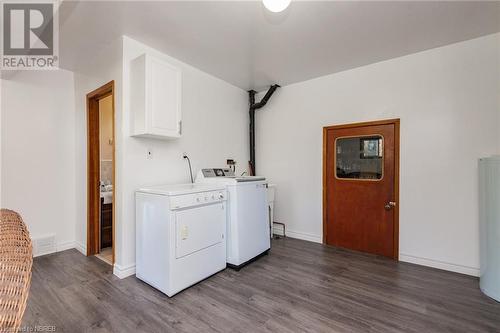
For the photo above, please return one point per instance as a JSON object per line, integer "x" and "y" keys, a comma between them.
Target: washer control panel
{"x": 223, "y": 172}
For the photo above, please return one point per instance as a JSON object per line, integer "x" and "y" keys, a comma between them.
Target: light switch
{"x": 184, "y": 232}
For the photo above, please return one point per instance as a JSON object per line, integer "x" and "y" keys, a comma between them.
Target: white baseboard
{"x": 44, "y": 250}
{"x": 63, "y": 246}
{"x": 46, "y": 244}
{"x": 123, "y": 271}
{"x": 81, "y": 248}
{"x": 439, "y": 264}
{"x": 278, "y": 230}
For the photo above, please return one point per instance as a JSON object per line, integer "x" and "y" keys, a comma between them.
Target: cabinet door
{"x": 164, "y": 99}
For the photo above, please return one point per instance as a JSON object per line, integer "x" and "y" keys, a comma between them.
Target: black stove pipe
{"x": 252, "y": 107}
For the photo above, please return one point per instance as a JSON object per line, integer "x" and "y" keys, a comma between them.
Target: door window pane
{"x": 359, "y": 157}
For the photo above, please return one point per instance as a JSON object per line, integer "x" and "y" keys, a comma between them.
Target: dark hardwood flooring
{"x": 299, "y": 287}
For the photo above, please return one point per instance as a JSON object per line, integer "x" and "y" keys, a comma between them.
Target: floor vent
{"x": 44, "y": 245}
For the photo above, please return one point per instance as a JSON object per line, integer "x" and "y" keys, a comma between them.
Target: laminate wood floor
{"x": 299, "y": 287}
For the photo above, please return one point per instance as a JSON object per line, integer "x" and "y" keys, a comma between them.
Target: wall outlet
{"x": 150, "y": 154}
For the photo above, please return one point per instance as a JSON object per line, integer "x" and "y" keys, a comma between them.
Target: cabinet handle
{"x": 180, "y": 127}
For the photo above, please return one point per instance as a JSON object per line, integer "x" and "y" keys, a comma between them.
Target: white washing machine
{"x": 180, "y": 234}
{"x": 248, "y": 234}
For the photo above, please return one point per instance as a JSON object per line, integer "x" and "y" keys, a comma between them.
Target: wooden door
{"x": 360, "y": 194}
{"x": 93, "y": 176}
{"x": 93, "y": 169}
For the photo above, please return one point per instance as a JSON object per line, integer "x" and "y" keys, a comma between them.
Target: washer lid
{"x": 178, "y": 189}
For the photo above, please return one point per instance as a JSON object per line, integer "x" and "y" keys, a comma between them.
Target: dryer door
{"x": 198, "y": 228}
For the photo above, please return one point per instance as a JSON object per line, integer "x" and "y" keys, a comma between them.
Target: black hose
{"x": 190, "y": 170}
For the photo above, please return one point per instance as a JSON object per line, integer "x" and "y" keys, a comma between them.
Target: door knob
{"x": 390, "y": 205}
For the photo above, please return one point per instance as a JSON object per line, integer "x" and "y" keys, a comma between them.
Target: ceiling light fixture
{"x": 276, "y": 6}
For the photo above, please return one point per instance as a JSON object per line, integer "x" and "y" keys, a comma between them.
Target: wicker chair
{"x": 16, "y": 260}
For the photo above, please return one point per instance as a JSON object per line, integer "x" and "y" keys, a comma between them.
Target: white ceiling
{"x": 241, "y": 43}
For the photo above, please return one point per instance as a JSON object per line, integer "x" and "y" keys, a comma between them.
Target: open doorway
{"x": 101, "y": 173}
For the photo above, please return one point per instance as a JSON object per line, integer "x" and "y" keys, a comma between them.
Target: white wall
{"x": 214, "y": 119}
{"x": 38, "y": 157}
{"x": 214, "y": 128}
{"x": 448, "y": 101}
{"x": 498, "y": 98}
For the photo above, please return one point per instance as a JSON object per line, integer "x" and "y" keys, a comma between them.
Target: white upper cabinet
{"x": 155, "y": 92}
